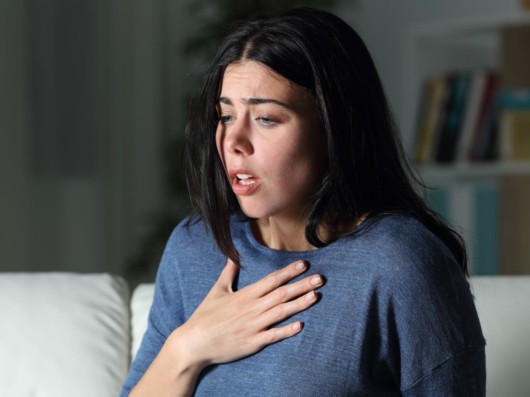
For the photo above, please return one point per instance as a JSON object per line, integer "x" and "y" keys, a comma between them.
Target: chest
{"x": 337, "y": 353}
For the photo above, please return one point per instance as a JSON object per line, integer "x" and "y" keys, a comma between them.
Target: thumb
{"x": 228, "y": 276}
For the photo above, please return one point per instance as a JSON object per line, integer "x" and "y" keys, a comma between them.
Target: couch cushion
{"x": 140, "y": 305}
{"x": 503, "y": 305}
{"x": 63, "y": 334}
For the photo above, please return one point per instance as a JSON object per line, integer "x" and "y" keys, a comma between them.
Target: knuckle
{"x": 272, "y": 336}
{"x": 301, "y": 303}
{"x": 280, "y": 295}
{"x": 272, "y": 280}
{"x": 277, "y": 313}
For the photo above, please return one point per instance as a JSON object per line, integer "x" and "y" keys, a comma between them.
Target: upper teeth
{"x": 243, "y": 176}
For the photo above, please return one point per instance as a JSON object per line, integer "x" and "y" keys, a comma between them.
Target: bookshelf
{"x": 449, "y": 46}
{"x": 472, "y": 172}
{"x": 475, "y": 197}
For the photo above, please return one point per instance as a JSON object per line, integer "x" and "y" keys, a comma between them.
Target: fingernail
{"x": 311, "y": 296}
{"x": 317, "y": 280}
{"x": 297, "y": 326}
{"x": 300, "y": 265}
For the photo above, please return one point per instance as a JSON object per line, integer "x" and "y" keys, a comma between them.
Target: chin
{"x": 255, "y": 212}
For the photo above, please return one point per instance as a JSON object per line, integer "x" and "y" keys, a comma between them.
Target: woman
{"x": 294, "y": 167}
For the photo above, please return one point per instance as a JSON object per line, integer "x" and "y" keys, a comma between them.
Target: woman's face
{"x": 269, "y": 140}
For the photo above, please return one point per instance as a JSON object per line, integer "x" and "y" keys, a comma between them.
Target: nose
{"x": 237, "y": 137}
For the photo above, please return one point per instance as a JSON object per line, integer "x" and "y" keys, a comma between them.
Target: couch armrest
{"x": 63, "y": 334}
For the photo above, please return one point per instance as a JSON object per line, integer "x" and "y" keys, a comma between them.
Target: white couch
{"x": 70, "y": 335}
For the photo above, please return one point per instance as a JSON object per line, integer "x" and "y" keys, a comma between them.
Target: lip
{"x": 240, "y": 189}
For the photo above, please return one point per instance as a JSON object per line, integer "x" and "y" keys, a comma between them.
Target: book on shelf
{"x": 484, "y": 143}
{"x": 455, "y": 106}
{"x": 458, "y": 118}
{"x": 472, "y": 210}
{"x": 514, "y": 125}
{"x": 515, "y": 224}
{"x": 493, "y": 219}
{"x": 514, "y": 119}
{"x": 515, "y": 56}
{"x": 432, "y": 105}
{"x": 478, "y": 85}
{"x": 486, "y": 229}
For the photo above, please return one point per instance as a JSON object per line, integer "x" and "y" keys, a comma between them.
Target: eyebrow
{"x": 255, "y": 101}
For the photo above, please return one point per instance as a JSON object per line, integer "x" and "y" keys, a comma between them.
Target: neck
{"x": 287, "y": 235}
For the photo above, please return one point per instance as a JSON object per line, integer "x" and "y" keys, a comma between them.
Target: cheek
{"x": 308, "y": 162}
{"x": 308, "y": 152}
{"x": 293, "y": 167}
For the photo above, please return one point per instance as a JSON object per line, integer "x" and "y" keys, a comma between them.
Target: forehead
{"x": 250, "y": 79}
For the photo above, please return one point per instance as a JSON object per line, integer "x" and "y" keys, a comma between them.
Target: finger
{"x": 285, "y": 310}
{"x": 227, "y": 277}
{"x": 289, "y": 292}
{"x": 274, "y": 335}
{"x": 278, "y": 278}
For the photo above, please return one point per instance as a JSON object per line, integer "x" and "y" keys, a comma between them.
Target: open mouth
{"x": 246, "y": 179}
{"x": 243, "y": 182}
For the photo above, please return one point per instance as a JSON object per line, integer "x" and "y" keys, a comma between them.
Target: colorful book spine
{"x": 458, "y": 118}
{"x": 484, "y": 139}
{"x": 456, "y": 105}
{"x": 486, "y": 229}
{"x": 471, "y": 115}
{"x": 472, "y": 211}
{"x": 514, "y": 125}
{"x": 431, "y": 118}
{"x": 515, "y": 224}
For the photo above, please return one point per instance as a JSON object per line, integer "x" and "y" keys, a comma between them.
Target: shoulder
{"x": 191, "y": 241}
{"x": 193, "y": 229}
{"x": 188, "y": 229}
{"x": 419, "y": 279}
{"x": 189, "y": 246}
{"x": 403, "y": 245}
{"x": 423, "y": 294}
{"x": 410, "y": 261}
{"x": 191, "y": 235}
{"x": 190, "y": 264}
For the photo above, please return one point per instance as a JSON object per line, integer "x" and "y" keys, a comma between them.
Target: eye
{"x": 226, "y": 119}
{"x": 266, "y": 122}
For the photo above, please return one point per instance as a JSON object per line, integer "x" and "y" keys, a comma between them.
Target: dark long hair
{"x": 368, "y": 172}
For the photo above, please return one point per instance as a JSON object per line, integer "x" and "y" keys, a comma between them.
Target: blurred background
{"x": 94, "y": 96}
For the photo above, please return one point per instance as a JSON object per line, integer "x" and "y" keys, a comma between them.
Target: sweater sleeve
{"x": 462, "y": 375}
{"x": 433, "y": 341}
{"x": 165, "y": 315}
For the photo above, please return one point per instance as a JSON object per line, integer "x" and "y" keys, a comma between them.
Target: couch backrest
{"x": 63, "y": 335}
{"x": 503, "y": 304}
{"x": 69, "y": 335}
{"x": 141, "y": 301}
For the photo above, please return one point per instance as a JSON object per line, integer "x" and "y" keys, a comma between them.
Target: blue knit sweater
{"x": 396, "y": 316}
